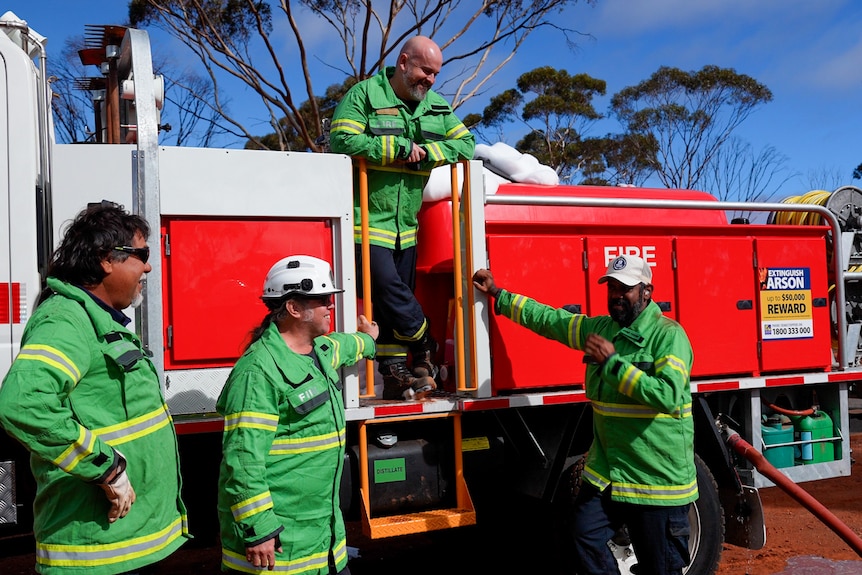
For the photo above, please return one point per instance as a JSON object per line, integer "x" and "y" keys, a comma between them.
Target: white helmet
{"x": 299, "y": 275}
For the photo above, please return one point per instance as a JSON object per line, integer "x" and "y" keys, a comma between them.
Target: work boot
{"x": 423, "y": 353}
{"x": 399, "y": 383}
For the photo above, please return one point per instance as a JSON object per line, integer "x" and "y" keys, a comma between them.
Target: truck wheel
{"x": 707, "y": 524}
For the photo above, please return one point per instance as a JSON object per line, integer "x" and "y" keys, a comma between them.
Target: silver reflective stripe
{"x": 134, "y": 428}
{"x": 92, "y": 555}
{"x": 251, "y": 506}
{"x": 650, "y": 492}
{"x": 637, "y": 411}
{"x": 316, "y": 443}
{"x": 251, "y": 419}
{"x": 306, "y": 564}
{"x": 77, "y": 451}
{"x": 51, "y": 356}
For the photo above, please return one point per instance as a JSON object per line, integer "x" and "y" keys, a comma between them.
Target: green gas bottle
{"x": 809, "y": 428}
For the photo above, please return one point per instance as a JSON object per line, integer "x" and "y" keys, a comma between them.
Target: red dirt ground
{"x": 792, "y": 531}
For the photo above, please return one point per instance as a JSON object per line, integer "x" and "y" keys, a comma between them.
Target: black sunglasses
{"x": 142, "y": 254}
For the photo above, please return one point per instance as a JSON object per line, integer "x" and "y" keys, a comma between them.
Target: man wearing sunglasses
{"x": 83, "y": 397}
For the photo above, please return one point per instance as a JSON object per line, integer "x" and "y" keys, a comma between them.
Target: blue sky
{"x": 808, "y": 53}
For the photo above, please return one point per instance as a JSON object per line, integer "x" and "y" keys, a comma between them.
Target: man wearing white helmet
{"x": 639, "y": 471}
{"x": 284, "y": 429}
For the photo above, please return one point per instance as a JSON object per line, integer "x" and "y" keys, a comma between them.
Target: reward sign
{"x": 785, "y": 303}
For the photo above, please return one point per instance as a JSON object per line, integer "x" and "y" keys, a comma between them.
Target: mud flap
{"x": 743, "y": 518}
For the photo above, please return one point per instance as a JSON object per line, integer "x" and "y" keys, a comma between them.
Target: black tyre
{"x": 707, "y": 524}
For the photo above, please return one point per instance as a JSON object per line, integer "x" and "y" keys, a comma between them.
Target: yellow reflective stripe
{"x": 391, "y": 350}
{"x": 672, "y": 362}
{"x": 251, "y": 420}
{"x": 416, "y": 336}
{"x": 251, "y": 506}
{"x": 382, "y": 236}
{"x": 655, "y": 492}
{"x": 518, "y": 302}
{"x": 629, "y": 380}
{"x": 636, "y": 411}
{"x": 408, "y": 236}
{"x": 339, "y": 552}
{"x": 293, "y": 446}
{"x": 360, "y": 347}
{"x": 597, "y": 479}
{"x": 435, "y": 151}
{"x": 388, "y": 149}
{"x": 457, "y": 132}
{"x": 347, "y": 126}
{"x": 109, "y": 553}
{"x": 575, "y": 331}
{"x": 336, "y": 346}
{"x": 136, "y": 427}
{"x": 79, "y": 449}
{"x": 51, "y": 356}
{"x": 311, "y": 563}
{"x": 398, "y": 168}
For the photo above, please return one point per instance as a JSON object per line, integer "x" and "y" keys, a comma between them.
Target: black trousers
{"x": 396, "y": 310}
{"x": 659, "y": 535}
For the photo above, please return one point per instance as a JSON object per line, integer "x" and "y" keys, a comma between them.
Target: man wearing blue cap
{"x": 639, "y": 471}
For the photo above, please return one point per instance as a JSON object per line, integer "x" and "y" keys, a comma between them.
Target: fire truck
{"x": 772, "y": 309}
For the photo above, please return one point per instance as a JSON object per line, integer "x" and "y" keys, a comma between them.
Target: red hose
{"x": 746, "y": 450}
{"x": 793, "y": 412}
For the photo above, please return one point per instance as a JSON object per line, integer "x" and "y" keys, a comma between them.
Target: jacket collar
{"x": 103, "y": 320}
{"x": 642, "y": 326}
{"x": 294, "y": 367}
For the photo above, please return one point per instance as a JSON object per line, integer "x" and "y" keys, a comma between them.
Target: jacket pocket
{"x": 385, "y": 125}
{"x": 308, "y": 396}
{"x": 433, "y": 128}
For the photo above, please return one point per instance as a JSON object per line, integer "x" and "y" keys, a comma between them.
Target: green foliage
{"x": 857, "y": 173}
{"x": 325, "y": 107}
{"x": 558, "y": 117}
{"x": 689, "y": 115}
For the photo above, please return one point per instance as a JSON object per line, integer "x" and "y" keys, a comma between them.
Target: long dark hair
{"x": 92, "y": 237}
{"x": 277, "y": 312}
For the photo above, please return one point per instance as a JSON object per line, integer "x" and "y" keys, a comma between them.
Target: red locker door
{"x": 548, "y": 269}
{"x": 716, "y": 296}
{"x": 214, "y": 277}
{"x": 793, "y": 299}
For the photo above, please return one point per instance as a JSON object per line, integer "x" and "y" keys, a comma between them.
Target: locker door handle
{"x": 572, "y": 307}
{"x": 818, "y": 302}
{"x": 744, "y": 304}
{"x": 663, "y": 305}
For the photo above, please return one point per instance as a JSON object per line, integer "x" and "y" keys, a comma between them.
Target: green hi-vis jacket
{"x": 284, "y": 441}
{"x": 81, "y": 387}
{"x": 373, "y": 123}
{"x": 643, "y": 445}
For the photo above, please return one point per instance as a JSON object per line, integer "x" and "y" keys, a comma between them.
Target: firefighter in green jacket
{"x": 284, "y": 429}
{"x": 639, "y": 471}
{"x": 404, "y": 130}
{"x": 83, "y": 397}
